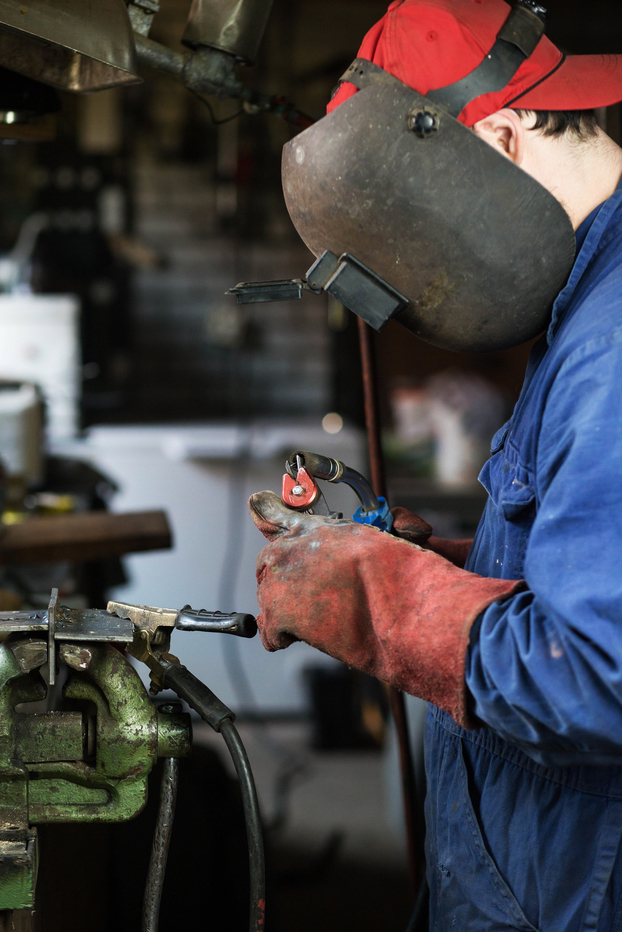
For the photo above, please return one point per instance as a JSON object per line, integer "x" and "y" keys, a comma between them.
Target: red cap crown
{"x": 429, "y": 44}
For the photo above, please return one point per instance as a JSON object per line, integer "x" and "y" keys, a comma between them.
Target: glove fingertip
{"x": 257, "y": 505}
{"x": 409, "y": 525}
{"x": 272, "y": 517}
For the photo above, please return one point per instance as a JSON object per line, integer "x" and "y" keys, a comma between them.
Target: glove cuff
{"x": 428, "y": 656}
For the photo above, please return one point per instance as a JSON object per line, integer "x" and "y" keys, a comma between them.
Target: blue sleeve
{"x": 545, "y": 668}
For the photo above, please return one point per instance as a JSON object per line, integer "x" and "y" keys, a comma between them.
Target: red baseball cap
{"x": 429, "y": 44}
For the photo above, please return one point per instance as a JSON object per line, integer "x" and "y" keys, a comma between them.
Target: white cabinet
{"x": 40, "y": 343}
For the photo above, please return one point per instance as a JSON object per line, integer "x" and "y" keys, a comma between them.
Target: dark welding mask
{"x": 414, "y": 218}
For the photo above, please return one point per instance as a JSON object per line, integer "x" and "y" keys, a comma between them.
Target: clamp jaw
{"x": 301, "y": 492}
{"x": 152, "y": 628}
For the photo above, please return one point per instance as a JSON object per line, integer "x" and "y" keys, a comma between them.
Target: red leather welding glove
{"x": 411, "y": 527}
{"x": 378, "y": 603}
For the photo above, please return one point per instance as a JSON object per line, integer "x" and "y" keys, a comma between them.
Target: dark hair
{"x": 582, "y": 124}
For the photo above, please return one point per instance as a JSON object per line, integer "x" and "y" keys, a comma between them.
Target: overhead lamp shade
{"x": 74, "y": 45}
{"x": 233, "y": 26}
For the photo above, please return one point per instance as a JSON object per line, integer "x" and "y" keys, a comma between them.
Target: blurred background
{"x": 130, "y": 382}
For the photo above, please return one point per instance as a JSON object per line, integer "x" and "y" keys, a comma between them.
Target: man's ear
{"x": 505, "y": 132}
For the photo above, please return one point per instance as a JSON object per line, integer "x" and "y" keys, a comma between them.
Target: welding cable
{"x": 161, "y": 842}
{"x": 210, "y": 109}
{"x": 216, "y": 714}
{"x": 253, "y": 824}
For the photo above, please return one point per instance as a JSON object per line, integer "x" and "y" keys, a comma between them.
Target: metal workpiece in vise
{"x": 89, "y": 759}
{"x": 301, "y": 491}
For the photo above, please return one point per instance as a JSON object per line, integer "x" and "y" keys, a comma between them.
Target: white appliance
{"x": 39, "y": 343}
{"x": 20, "y": 431}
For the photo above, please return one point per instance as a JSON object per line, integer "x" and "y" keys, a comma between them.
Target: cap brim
{"x": 582, "y": 82}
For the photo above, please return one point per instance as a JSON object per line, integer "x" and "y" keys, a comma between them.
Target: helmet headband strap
{"x": 516, "y": 41}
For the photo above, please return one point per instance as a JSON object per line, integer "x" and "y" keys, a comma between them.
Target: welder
{"x": 514, "y": 638}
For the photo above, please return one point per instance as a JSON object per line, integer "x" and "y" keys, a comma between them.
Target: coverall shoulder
{"x": 524, "y": 814}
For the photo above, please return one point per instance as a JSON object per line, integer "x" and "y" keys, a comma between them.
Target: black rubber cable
{"x": 215, "y": 121}
{"x": 253, "y": 825}
{"x": 216, "y": 714}
{"x": 160, "y": 846}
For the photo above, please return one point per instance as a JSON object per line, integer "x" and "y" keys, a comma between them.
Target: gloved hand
{"x": 411, "y": 527}
{"x": 380, "y": 604}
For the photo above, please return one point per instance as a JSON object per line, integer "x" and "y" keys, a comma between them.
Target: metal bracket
{"x": 357, "y": 287}
{"x": 264, "y": 292}
{"x": 347, "y": 279}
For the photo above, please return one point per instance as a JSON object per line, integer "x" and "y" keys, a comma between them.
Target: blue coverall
{"x": 524, "y": 815}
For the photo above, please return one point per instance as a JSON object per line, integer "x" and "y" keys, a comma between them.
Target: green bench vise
{"x": 88, "y": 761}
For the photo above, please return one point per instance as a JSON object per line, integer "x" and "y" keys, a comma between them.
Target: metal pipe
{"x": 206, "y": 71}
{"x": 158, "y": 56}
{"x": 161, "y": 842}
{"x": 396, "y": 697}
{"x": 211, "y": 71}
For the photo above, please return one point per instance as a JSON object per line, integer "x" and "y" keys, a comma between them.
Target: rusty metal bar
{"x": 398, "y": 706}
{"x": 161, "y": 842}
{"x": 372, "y": 409}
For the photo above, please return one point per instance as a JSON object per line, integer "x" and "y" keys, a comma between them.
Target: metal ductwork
{"x": 69, "y": 44}
{"x": 233, "y": 26}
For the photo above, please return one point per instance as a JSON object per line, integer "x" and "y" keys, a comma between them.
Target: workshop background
{"x": 130, "y": 382}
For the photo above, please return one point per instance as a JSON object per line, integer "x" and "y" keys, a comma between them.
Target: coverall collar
{"x": 589, "y": 236}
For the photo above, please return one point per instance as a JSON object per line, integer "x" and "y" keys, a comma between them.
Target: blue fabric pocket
{"x": 511, "y": 509}
{"x": 515, "y": 498}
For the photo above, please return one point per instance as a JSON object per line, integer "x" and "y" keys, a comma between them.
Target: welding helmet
{"x": 411, "y": 215}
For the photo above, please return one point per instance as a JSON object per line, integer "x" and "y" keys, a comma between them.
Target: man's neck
{"x": 580, "y": 174}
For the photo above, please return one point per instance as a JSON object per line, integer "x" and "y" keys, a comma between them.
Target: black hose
{"x": 216, "y": 714}
{"x": 323, "y": 467}
{"x": 161, "y": 842}
{"x": 253, "y": 825}
{"x": 361, "y": 486}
